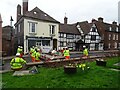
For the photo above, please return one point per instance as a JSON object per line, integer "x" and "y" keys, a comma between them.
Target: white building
{"x": 35, "y": 27}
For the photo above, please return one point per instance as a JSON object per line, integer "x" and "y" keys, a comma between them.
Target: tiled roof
{"x": 101, "y": 27}
{"x": 85, "y": 26}
{"x": 36, "y": 13}
{"x": 69, "y": 28}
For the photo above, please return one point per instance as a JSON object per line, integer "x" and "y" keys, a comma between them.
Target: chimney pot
{"x": 100, "y": 19}
{"x": 18, "y": 11}
{"x": 114, "y": 23}
{"x": 65, "y": 20}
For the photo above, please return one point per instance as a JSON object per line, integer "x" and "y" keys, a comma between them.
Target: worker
{"x": 18, "y": 49}
{"x": 66, "y": 53}
{"x": 21, "y": 52}
{"x": 17, "y": 62}
{"x": 85, "y": 52}
{"x": 37, "y": 55}
{"x": 33, "y": 52}
{"x": 32, "y": 49}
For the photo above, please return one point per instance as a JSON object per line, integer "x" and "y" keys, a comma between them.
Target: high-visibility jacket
{"x": 37, "y": 56}
{"x": 66, "y": 53}
{"x": 32, "y": 50}
{"x": 17, "y": 62}
{"x": 19, "y": 50}
{"x": 33, "y": 54}
{"x": 85, "y": 52}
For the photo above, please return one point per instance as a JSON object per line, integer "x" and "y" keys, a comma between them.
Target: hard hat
{"x": 38, "y": 49}
{"x": 17, "y": 54}
{"x": 84, "y": 46}
{"x": 19, "y": 46}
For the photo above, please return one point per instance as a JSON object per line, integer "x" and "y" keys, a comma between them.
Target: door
{"x": 55, "y": 44}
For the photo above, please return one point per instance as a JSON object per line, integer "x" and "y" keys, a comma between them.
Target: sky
{"x": 74, "y": 10}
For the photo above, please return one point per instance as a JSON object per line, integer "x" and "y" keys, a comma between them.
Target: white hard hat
{"x": 21, "y": 47}
{"x": 84, "y": 46}
{"x": 38, "y": 49}
{"x": 17, "y": 54}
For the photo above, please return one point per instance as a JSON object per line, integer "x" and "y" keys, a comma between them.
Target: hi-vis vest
{"x": 37, "y": 56}
{"x": 17, "y": 62}
{"x": 85, "y": 52}
{"x": 66, "y": 53}
{"x": 19, "y": 50}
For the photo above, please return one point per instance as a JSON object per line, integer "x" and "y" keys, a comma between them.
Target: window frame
{"x": 30, "y": 26}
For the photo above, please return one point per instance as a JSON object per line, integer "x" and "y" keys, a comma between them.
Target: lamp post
{"x": 11, "y": 34}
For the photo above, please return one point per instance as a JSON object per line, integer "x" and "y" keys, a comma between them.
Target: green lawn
{"x": 96, "y": 77}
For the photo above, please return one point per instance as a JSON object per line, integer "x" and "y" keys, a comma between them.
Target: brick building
{"x": 0, "y": 36}
{"x": 7, "y": 41}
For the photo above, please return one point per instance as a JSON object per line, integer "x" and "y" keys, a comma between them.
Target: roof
{"x": 85, "y": 26}
{"x": 69, "y": 28}
{"x": 101, "y": 27}
{"x": 36, "y": 13}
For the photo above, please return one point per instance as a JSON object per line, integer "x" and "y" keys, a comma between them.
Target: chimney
{"x": 25, "y": 6}
{"x": 93, "y": 20}
{"x": 65, "y": 20}
{"x": 114, "y": 23}
{"x": 18, "y": 11}
{"x": 0, "y": 36}
{"x": 100, "y": 19}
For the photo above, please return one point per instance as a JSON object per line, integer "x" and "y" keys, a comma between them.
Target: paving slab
{"x": 21, "y": 73}
{"x": 117, "y": 64}
{"x": 115, "y": 70}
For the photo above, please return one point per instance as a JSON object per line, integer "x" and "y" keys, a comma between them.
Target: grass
{"x": 96, "y": 77}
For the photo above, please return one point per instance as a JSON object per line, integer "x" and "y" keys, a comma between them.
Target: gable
{"x": 36, "y": 13}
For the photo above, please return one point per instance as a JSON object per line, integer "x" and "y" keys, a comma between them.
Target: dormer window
{"x": 45, "y": 15}
{"x": 35, "y": 12}
{"x": 110, "y": 29}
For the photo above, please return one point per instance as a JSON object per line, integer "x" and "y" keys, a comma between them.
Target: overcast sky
{"x": 76, "y": 10}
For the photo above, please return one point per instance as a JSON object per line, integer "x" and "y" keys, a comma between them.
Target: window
{"x": 93, "y": 37}
{"x": 61, "y": 35}
{"x": 117, "y": 37}
{"x": 52, "y": 29}
{"x": 114, "y": 37}
{"x": 15, "y": 30}
{"x": 115, "y": 45}
{"x": 110, "y": 28}
{"x": 116, "y": 29}
{"x": 93, "y": 29}
{"x": 70, "y": 36}
{"x": 46, "y": 42}
{"x": 109, "y": 36}
{"x": 18, "y": 27}
{"x": 61, "y": 44}
{"x": 32, "y": 27}
{"x": 109, "y": 45}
